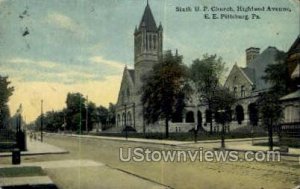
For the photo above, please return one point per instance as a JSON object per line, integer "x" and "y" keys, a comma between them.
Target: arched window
{"x": 150, "y": 41}
{"x": 123, "y": 119}
{"x": 118, "y": 120}
{"x": 208, "y": 116}
{"x": 129, "y": 119}
{"x": 235, "y": 91}
{"x": 243, "y": 91}
{"x": 199, "y": 117}
{"x": 190, "y": 117}
{"x": 239, "y": 112}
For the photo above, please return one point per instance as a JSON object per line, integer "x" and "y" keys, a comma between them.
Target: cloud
{"x": 63, "y": 21}
{"x": 68, "y": 24}
{"x": 102, "y": 61}
{"x": 86, "y": 70}
{"x": 43, "y": 63}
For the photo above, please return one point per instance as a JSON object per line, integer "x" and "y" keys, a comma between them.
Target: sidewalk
{"x": 244, "y": 144}
{"x": 36, "y": 147}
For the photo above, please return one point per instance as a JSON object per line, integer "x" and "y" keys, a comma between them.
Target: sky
{"x": 51, "y": 47}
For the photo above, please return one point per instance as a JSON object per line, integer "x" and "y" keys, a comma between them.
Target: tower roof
{"x": 148, "y": 20}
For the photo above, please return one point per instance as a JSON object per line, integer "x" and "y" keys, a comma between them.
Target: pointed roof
{"x": 295, "y": 46}
{"x": 148, "y": 20}
{"x": 296, "y": 72}
{"x": 291, "y": 96}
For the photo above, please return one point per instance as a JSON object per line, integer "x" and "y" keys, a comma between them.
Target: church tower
{"x": 148, "y": 44}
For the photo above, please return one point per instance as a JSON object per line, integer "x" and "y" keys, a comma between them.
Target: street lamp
{"x": 42, "y": 121}
{"x": 222, "y": 121}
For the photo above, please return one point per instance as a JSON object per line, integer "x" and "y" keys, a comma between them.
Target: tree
{"x": 162, "y": 90}
{"x": 103, "y": 114}
{"x": 206, "y": 74}
{"x": 269, "y": 102}
{"x": 5, "y": 92}
{"x": 112, "y": 114}
{"x": 271, "y": 113}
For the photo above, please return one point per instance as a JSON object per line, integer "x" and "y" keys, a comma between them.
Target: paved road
{"x": 116, "y": 174}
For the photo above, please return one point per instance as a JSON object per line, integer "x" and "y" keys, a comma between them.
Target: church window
{"x": 154, "y": 42}
{"x": 123, "y": 119}
{"x": 235, "y": 91}
{"x": 147, "y": 43}
{"x": 129, "y": 119}
{"x": 150, "y": 41}
{"x": 118, "y": 120}
{"x": 243, "y": 91}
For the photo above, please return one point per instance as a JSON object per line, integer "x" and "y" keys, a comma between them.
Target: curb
{"x": 240, "y": 150}
{"x": 8, "y": 154}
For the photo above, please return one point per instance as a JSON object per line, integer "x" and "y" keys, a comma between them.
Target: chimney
{"x": 251, "y": 54}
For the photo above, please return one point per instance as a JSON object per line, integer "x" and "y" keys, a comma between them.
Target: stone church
{"x": 148, "y": 47}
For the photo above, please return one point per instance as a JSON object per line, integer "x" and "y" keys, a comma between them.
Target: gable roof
{"x": 291, "y": 96}
{"x": 131, "y": 73}
{"x": 148, "y": 20}
{"x": 296, "y": 72}
{"x": 233, "y": 70}
{"x": 295, "y": 46}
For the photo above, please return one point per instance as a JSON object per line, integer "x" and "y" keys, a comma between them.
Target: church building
{"x": 148, "y": 48}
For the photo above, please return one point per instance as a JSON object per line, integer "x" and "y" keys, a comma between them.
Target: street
{"x": 107, "y": 171}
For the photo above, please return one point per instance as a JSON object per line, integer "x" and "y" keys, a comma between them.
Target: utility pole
{"x": 86, "y": 114}
{"x": 42, "y": 115}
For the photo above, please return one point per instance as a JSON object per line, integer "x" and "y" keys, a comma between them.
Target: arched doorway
{"x": 253, "y": 114}
{"x": 239, "y": 113}
{"x": 190, "y": 117}
{"x": 199, "y": 117}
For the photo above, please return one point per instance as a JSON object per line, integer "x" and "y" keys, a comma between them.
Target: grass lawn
{"x": 184, "y": 136}
{"x": 21, "y": 172}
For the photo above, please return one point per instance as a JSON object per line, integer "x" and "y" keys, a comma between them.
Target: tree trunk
{"x": 167, "y": 127}
{"x": 270, "y": 137}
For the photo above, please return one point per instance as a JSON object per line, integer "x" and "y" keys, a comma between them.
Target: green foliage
{"x": 270, "y": 109}
{"x": 162, "y": 89}
{"x": 206, "y": 75}
{"x": 74, "y": 116}
{"x": 269, "y": 102}
{"x": 277, "y": 75}
{"x": 5, "y": 92}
